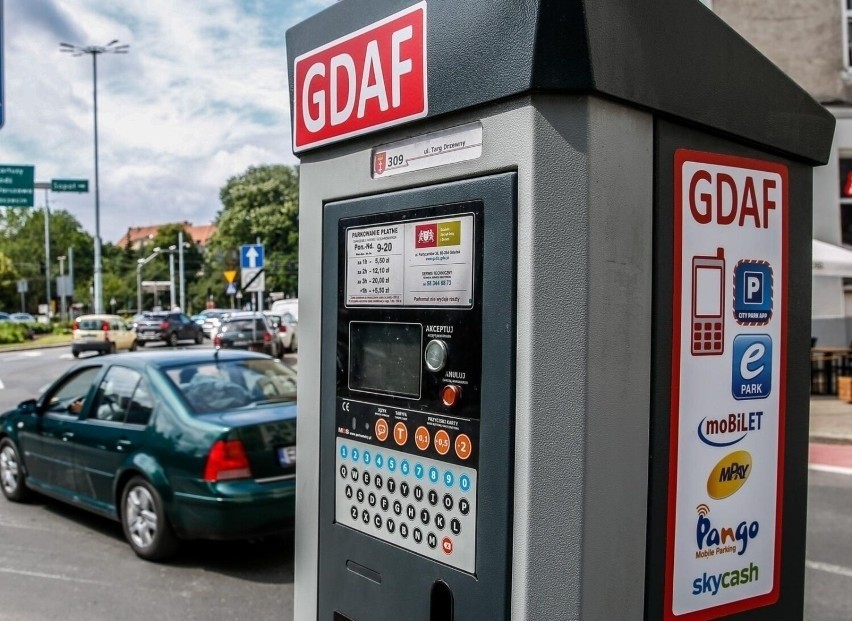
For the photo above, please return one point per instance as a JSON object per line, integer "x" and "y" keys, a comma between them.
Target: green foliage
{"x": 13, "y": 333}
{"x": 22, "y": 243}
{"x": 262, "y": 203}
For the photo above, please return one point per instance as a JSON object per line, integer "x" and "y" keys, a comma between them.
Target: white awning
{"x": 831, "y": 260}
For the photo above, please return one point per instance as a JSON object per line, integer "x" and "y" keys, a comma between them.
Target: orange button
{"x": 382, "y": 429}
{"x": 400, "y": 433}
{"x": 442, "y": 442}
{"x": 463, "y": 446}
{"x": 421, "y": 438}
{"x": 450, "y": 395}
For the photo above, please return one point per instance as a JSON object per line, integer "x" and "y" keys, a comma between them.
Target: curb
{"x": 829, "y": 438}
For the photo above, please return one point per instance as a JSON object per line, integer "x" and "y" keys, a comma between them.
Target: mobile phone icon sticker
{"x": 708, "y": 304}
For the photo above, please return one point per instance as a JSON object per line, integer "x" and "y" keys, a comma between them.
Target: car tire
{"x": 199, "y": 338}
{"x": 135, "y": 345}
{"x": 172, "y": 339}
{"x": 13, "y": 478}
{"x": 294, "y": 344}
{"x": 144, "y": 522}
{"x": 112, "y": 348}
{"x": 76, "y": 354}
{"x": 140, "y": 343}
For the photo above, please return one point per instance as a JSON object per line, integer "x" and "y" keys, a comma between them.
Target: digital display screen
{"x": 385, "y": 357}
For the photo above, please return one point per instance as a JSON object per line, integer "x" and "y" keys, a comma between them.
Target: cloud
{"x": 201, "y": 96}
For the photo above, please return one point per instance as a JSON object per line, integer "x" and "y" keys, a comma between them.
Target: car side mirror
{"x": 30, "y": 406}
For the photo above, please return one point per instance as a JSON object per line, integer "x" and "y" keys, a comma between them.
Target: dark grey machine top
{"x": 673, "y": 57}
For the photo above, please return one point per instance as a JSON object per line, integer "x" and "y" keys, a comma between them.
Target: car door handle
{"x": 120, "y": 444}
{"x": 67, "y": 436}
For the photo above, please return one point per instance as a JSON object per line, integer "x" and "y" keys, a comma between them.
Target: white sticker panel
{"x": 728, "y": 385}
{"x": 448, "y": 146}
{"x": 425, "y": 263}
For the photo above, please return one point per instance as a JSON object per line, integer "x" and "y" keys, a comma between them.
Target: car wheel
{"x": 76, "y": 354}
{"x": 199, "y": 338}
{"x": 172, "y": 339}
{"x": 12, "y": 475}
{"x": 144, "y": 521}
{"x": 140, "y": 343}
{"x": 135, "y": 345}
{"x": 112, "y": 348}
{"x": 294, "y": 345}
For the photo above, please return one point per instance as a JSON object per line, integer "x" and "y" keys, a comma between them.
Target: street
{"x": 60, "y": 562}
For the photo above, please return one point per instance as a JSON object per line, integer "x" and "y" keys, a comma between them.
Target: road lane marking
{"x": 60, "y": 577}
{"x": 831, "y": 469}
{"x": 832, "y": 569}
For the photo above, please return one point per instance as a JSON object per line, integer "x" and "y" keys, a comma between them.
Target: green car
{"x": 187, "y": 444}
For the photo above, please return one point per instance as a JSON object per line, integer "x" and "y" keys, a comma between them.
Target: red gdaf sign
{"x": 364, "y": 81}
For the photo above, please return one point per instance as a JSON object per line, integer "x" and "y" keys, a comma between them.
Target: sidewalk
{"x": 831, "y": 420}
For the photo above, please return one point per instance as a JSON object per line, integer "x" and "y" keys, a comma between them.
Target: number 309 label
{"x": 448, "y": 146}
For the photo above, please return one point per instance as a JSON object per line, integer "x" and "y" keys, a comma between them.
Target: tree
{"x": 262, "y": 203}
{"x": 22, "y": 241}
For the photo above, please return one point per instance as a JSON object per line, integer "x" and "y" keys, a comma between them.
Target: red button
{"x": 450, "y": 395}
{"x": 447, "y": 545}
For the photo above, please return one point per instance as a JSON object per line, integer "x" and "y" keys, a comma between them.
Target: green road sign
{"x": 16, "y": 185}
{"x": 69, "y": 185}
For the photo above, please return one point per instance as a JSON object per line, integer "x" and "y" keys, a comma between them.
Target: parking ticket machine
{"x": 546, "y": 254}
{"x": 420, "y": 292}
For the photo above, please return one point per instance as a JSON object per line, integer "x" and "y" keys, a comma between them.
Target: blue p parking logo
{"x": 753, "y": 293}
{"x": 752, "y": 366}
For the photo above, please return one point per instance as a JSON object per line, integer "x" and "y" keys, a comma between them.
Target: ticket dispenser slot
{"x": 416, "y": 422}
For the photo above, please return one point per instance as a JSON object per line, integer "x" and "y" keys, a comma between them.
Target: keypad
{"x": 420, "y": 504}
{"x": 707, "y": 337}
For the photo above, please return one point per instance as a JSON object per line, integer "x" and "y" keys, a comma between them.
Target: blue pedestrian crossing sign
{"x": 251, "y": 256}
{"x": 231, "y": 289}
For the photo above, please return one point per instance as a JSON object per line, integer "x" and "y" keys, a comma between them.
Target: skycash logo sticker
{"x": 752, "y": 366}
{"x": 713, "y": 583}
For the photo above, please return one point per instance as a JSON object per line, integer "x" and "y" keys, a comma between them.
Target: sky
{"x": 200, "y": 97}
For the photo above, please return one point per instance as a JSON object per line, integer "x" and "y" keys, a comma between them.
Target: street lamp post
{"x": 94, "y": 50}
{"x": 61, "y": 287}
{"x": 139, "y": 264}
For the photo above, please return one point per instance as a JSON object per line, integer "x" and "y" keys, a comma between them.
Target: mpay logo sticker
{"x": 753, "y": 289}
{"x": 752, "y": 366}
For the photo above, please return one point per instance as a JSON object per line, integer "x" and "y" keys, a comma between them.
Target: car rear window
{"x": 217, "y": 386}
{"x": 90, "y": 324}
{"x": 243, "y": 325}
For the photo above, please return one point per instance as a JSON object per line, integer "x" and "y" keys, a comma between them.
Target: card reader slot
{"x": 364, "y": 572}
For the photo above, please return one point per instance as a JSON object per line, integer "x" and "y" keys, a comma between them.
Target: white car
{"x": 286, "y": 326}
{"x": 291, "y": 306}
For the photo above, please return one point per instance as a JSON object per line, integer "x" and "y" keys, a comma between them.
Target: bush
{"x": 13, "y": 332}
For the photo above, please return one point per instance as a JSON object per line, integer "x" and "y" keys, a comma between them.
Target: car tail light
{"x": 217, "y": 341}
{"x": 282, "y": 329}
{"x": 227, "y": 460}
{"x": 267, "y": 337}
{"x": 105, "y": 326}
{"x": 164, "y": 325}
{"x": 76, "y": 325}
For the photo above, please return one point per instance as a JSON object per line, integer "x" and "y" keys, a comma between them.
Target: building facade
{"x": 810, "y": 41}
